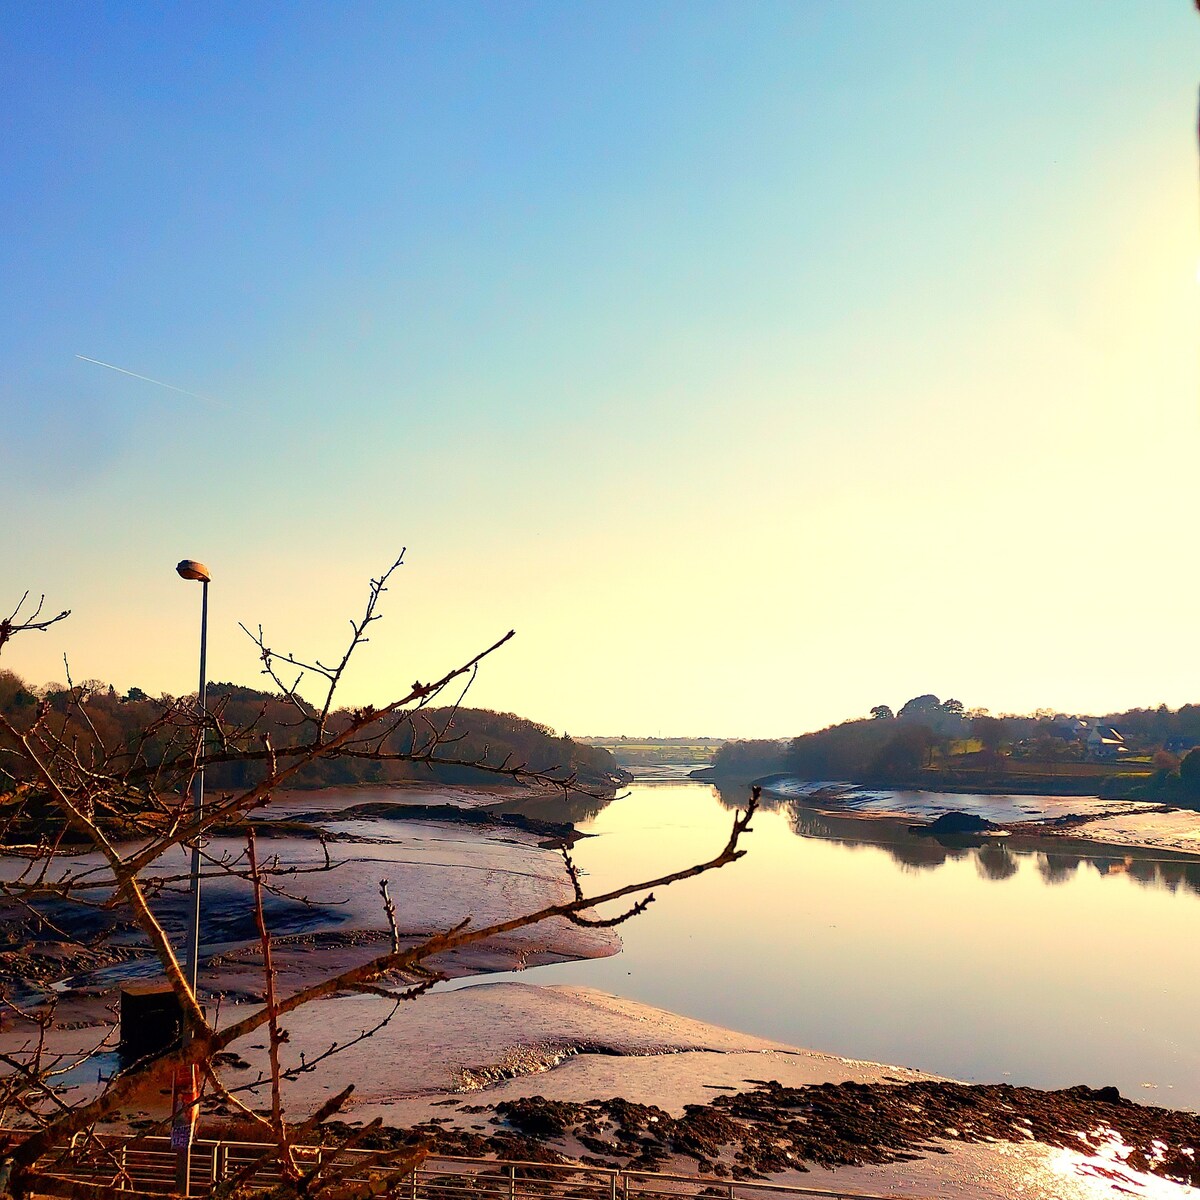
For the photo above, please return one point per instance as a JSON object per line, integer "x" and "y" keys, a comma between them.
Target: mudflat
{"x": 575, "y": 1074}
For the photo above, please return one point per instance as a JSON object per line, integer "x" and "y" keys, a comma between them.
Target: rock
{"x": 772, "y": 1128}
{"x": 955, "y": 822}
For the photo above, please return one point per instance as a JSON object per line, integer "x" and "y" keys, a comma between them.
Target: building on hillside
{"x": 1103, "y": 741}
{"x": 1179, "y": 746}
{"x": 1068, "y": 729}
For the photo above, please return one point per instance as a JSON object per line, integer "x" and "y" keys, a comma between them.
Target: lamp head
{"x": 191, "y": 569}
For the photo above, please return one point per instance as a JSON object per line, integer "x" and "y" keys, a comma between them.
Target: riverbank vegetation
{"x": 1140, "y": 753}
{"x": 454, "y": 745}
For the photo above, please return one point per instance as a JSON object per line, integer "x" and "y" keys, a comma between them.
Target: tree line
{"x": 896, "y": 747}
{"x": 442, "y": 744}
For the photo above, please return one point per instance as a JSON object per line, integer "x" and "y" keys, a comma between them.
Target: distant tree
{"x": 920, "y": 708}
{"x": 1163, "y": 725}
{"x": 839, "y": 752}
{"x": 12, "y": 686}
{"x": 135, "y": 695}
{"x": 904, "y": 756}
{"x": 953, "y": 708}
{"x": 881, "y": 712}
{"x": 1045, "y": 747}
{"x": 1164, "y": 760}
{"x": 990, "y": 731}
{"x": 746, "y": 759}
{"x": 1189, "y": 772}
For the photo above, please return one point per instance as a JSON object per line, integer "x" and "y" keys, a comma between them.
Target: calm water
{"x": 1032, "y": 962}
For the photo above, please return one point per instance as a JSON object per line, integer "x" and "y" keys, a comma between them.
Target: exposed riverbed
{"x": 1024, "y": 960}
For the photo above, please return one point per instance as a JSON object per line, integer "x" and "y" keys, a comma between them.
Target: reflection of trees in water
{"x": 806, "y": 823}
{"x": 1175, "y": 875}
{"x": 922, "y": 854}
{"x": 995, "y": 861}
{"x": 1140, "y": 865}
{"x": 573, "y": 809}
{"x": 909, "y": 851}
{"x": 734, "y": 797}
{"x": 1168, "y": 874}
{"x": 1143, "y": 870}
{"x": 1057, "y": 868}
{"x": 912, "y": 853}
{"x": 1108, "y": 866}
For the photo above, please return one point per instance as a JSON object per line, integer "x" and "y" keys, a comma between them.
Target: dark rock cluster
{"x": 771, "y": 1128}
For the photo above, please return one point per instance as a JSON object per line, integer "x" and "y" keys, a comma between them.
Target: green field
{"x": 650, "y": 752}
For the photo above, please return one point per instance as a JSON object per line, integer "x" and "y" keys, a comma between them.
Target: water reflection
{"x": 574, "y": 809}
{"x": 1057, "y": 868}
{"x": 851, "y": 935}
{"x": 1056, "y": 859}
{"x": 995, "y": 862}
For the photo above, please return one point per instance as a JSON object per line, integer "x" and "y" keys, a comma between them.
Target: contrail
{"x": 159, "y": 382}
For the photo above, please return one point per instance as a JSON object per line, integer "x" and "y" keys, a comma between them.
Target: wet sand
{"x": 568, "y": 1073}
{"x": 1161, "y": 828}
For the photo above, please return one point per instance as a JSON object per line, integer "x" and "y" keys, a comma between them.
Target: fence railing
{"x": 147, "y": 1164}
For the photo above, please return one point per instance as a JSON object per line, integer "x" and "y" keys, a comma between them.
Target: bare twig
{"x": 276, "y": 1036}
{"x": 13, "y": 624}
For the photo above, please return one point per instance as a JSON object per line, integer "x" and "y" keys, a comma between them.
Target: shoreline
{"x": 525, "y": 1070}
{"x": 559, "y": 1074}
{"x": 572, "y": 1074}
{"x": 1143, "y": 825}
{"x": 1015, "y": 785}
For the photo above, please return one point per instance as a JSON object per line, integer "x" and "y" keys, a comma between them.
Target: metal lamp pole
{"x": 190, "y": 569}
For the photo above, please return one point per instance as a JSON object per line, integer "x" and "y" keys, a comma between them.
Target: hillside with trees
{"x": 747, "y": 759}
{"x": 1139, "y": 753}
{"x": 443, "y": 745}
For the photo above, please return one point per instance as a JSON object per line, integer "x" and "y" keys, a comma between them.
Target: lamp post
{"x": 190, "y": 569}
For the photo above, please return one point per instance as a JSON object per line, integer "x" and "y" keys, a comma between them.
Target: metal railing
{"x": 147, "y": 1164}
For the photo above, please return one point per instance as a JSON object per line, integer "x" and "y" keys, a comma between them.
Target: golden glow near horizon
{"x": 841, "y": 379}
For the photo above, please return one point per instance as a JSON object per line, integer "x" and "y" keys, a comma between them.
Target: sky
{"x": 756, "y": 363}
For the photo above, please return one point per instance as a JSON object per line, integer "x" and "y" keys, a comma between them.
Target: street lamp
{"x": 190, "y": 569}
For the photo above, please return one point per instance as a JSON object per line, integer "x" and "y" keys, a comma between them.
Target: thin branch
{"x": 276, "y": 1036}
{"x": 389, "y": 911}
{"x": 11, "y": 625}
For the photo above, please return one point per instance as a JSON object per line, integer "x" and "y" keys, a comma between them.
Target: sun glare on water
{"x": 1106, "y": 1169}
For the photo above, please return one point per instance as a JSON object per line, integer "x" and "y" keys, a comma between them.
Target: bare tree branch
{"x": 90, "y": 814}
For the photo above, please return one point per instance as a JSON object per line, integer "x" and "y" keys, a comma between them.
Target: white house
{"x": 1103, "y": 741}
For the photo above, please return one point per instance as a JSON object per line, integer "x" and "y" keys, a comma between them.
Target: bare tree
{"x": 73, "y": 784}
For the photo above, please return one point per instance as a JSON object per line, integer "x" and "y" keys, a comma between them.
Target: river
{"x": 1031, "y": 962}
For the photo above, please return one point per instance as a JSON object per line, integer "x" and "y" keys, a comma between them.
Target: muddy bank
{"x": 1089, "y": 787}
{"x": 569, "y": 1075}
{"x": 1128, "y": 824}
{"x": 771, "y": 1129}
{"x": 445, "y": 862}
{"x": 552, "y": 833}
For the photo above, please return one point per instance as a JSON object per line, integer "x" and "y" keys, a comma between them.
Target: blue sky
{"x": 759, "y": 363}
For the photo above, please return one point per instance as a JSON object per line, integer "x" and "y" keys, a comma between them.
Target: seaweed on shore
{"x": 772, "y": 1128}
